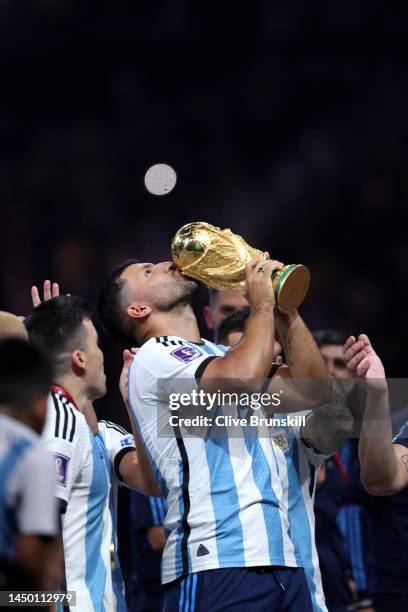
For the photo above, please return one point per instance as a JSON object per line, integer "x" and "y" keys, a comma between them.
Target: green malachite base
{"x": 291, "y": 287}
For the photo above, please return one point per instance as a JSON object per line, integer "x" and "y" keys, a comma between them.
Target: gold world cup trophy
{"x": 218, "y": 259}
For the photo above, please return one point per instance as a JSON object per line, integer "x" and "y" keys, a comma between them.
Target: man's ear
{"x": 78, "y": 360}
{"x": 208, "y": 317}
{"x": 138, "y": 311}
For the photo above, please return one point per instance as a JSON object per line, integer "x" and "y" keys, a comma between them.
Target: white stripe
{"x": 280, "y": 484}
{"x": 200, "y": 504}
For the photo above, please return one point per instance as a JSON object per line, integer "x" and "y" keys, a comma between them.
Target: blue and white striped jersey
{"x": 118, "y": 442}
{"x": 84, "y": 485}
{"x": 27, "y": 487}
{"x": 231, "y": 501}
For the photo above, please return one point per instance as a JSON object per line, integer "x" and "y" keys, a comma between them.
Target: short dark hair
{"x": 25, "y": 374}
{"x": 212, "y": 296}
{"x": 234, "y": 323}
{"x": 55, "y": 326}
{"x": 329, "y": 336}
{"x": 109, "y": 302}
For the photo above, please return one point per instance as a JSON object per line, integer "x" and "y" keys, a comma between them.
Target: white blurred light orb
{"x": 160, "y": 179}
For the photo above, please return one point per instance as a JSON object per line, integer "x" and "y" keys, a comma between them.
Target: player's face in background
{"x": 160, "y": 286}
{"x": 37, "y": 413}
{"x": 224, "y": 305}
{"x": 336, "y": 366}
{"x": 94, "y": 373}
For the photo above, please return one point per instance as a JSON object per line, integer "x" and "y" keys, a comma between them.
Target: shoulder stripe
{"x": 118, "y": 428}
{"x": 72, "y": 433}
{"x": 62, "y": 418}
{"x": 64, "y": 431}
{"x": 57, "y": 415}
{"x": 166, "y": 342}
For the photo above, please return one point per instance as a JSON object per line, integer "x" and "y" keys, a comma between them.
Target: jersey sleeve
{"x": 66, "y": 438}
{"x": 118, "y": 443}
{"x": 402, "y": 437}
{"x": 174, "y": 358}
{"x": 165, "y": 366}
{"x": 37, "y": 509}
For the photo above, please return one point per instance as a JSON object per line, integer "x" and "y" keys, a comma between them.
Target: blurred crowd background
{"x": 286, "y": 122}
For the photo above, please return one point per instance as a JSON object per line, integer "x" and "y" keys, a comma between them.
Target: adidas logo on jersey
{"x": 201, "y": 551}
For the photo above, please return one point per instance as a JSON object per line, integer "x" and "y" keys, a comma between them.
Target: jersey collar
{"x": 166, "y": 339}
{"x": 64, "y": 393}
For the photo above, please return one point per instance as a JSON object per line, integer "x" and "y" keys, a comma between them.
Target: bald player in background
{"x": 12, "y": 326}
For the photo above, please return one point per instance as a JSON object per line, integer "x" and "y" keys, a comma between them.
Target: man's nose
{"x": 166, "y": 266}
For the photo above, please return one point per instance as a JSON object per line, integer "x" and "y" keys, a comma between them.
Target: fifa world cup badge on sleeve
{"x": 61, "y": 464}
{"x": 186, "y": 353}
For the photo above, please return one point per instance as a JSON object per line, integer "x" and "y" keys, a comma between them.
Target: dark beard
{"x": 180, "y": 298}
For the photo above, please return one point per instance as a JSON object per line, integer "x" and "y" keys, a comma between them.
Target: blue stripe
{"x": 223, "y": 349}
{"x": 350, "y": 524}
{"x": 95, "y": 572}
{"x": 209, "y": 348}
{"x": 300, "y": 533}
{"x": 162, "y": 509}
{"x": 153, "y": 510}
{"x": 8, "y": 531}
{"x": 187, "y": 602}
{"x": 182, "y": 591}
{"x": 193, "y": 596}
{"x": 261, "y": 471}
{"x": 225, "y": 503}
{"x": 157, "y": 507}
{"x": 345, "y": 454}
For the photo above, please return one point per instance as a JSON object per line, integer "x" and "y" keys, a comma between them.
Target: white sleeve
{"x": 118, "y": 443}
{"x": 66, "y": 437}
{"x": 160, "y": 368}
{"x": 37, "y": 510}
{"x": 173, "y": 358}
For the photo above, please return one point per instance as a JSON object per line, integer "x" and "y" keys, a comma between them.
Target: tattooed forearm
{"x": 330, "y": 424}
{"x": 287, "y": 347}
{"x": 404, "y": 460}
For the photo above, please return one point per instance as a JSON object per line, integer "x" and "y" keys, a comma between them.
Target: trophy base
{"x": 291, "y": 287}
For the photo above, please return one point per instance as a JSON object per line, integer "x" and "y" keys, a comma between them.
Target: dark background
{"x": 286, "y": 122}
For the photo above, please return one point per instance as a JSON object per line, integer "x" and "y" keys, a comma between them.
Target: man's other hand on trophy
{"x": 259, "y": 289}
